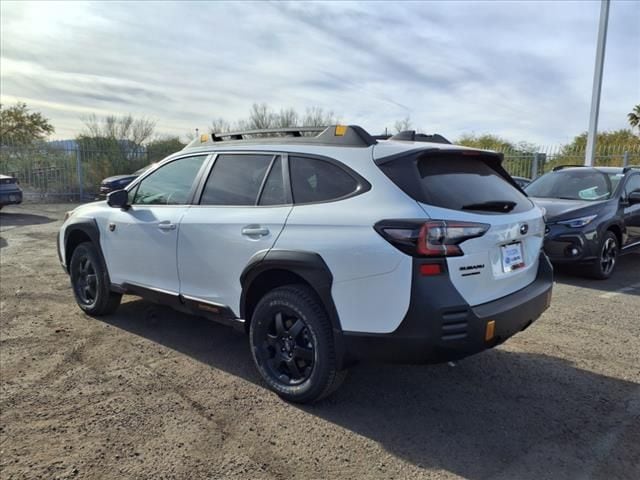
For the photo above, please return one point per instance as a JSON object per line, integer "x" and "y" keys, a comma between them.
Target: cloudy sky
{"x": 523, "y": 70}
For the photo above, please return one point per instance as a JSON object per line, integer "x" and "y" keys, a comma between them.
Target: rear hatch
{"x": 471, "y": 186}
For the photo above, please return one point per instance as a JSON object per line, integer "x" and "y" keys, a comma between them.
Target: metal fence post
{"x": 534, "y": 166}
{"x": 79, "y": 172}
{"x": 625, "y": 159}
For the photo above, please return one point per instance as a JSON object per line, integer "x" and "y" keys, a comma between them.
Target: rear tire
{"x": 90, "y": 282}
{"x": 292, "y": 345}
{"x": 608, "y": 251}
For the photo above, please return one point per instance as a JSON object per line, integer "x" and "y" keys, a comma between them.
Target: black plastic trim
{"x": 310, "y": 266}
{"x": 88, "y": 226}
{"x": 440, "y": 325}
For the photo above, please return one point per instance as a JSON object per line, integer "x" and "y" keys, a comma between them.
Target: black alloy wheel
{"x": 90, "y": 281}
{"x": 604, "y": 266}
{"x": 288, "y": 348}
{"x": 292, "y": 344}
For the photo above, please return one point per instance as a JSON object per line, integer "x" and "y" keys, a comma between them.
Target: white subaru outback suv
{"x": 326, "y": 249}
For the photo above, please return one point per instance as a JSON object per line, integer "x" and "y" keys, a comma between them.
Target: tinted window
{"x": 575, "y": 184}
{"x": 315, "y": 180}
{"x": 170, "y": 184}
{"x": 633, "y": 184}
{"x": 462, "y": 183}
{"x": 235, "y": 180}
{"x": 273, "y": 192}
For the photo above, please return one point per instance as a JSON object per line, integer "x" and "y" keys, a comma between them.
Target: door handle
{"x": 167, "y": 226}
{"x": 255, "y": 231}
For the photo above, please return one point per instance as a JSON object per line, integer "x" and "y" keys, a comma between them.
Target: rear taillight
{"x": 433, "y": 238}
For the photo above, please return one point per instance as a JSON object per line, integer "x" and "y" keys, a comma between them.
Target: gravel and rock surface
{"x": 151, "y": 393}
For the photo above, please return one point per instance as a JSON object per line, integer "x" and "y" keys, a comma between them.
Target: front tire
{"x": 607, "y": 257}
{"x": 90, "y": 282}
{"x": 292, "y": 345}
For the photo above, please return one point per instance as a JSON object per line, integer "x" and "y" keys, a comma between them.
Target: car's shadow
{"x": 500, "y": 413}
{"x": 10, "y": 219}
{"x": 626, "y": 277}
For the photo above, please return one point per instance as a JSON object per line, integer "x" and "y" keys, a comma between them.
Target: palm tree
{"x": 634, "y": 116}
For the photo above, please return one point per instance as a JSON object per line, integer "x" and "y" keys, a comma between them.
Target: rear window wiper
{"x": 492, "y": 206}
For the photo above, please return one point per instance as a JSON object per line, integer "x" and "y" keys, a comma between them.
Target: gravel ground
{"x": 150, "y": 393}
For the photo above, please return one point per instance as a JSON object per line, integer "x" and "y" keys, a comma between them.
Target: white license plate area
{"x": 512, "y": 258}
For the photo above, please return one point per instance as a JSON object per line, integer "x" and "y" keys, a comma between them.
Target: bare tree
{"x": 317, "y": 117}
{"x": 220, "y": 125}
{"x": 403, "y": 125}
{"x": 260, "y": 117}
{"x": 286, "y": 118}
{"x": 126, "y": 128}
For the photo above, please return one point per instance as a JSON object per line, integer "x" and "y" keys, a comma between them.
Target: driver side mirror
{"x": 118, "y": 199}
{"x": 634, "y": 197}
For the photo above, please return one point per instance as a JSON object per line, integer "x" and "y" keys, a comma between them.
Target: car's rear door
{"x": 139, "y": 243}
{"x": 242, "y": 209}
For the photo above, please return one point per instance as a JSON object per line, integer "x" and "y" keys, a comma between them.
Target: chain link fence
{"x": 73, "y": 170}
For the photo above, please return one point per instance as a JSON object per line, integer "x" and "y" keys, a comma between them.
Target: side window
{"x": 314, "y": 180}
{"x": 273, "y": 192}
{"x": 170, "y": 184}
{"x": 235, "y": 179}
{"x": 632, "y": 185}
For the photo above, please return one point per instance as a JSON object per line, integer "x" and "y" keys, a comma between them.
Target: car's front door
{"x": 631, "y": 212}
{"x": 140, "y": 242}
{"x": 243, "y": 208}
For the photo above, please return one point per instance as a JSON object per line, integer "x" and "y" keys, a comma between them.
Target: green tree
{"x": 634, "y": 117}
{"x": 18, "y": 126}
{"x": 610, "y": 149}
{"x": 486, "y": 142}
{"x": 162, "y": 147}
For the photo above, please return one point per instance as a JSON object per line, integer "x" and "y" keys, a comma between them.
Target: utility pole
{"x": 597, "y": 84}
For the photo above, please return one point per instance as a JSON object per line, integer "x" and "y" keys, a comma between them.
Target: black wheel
{"x": 292, "y": 345}
{"x": 90, "y": 282}
{"x": 607, "y": 257}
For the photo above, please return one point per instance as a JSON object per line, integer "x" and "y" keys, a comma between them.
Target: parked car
{"x": 522, "y": 181}
{"x": 10, "y": 191}
{"x": 118, "y": 182}
{"x": 326, "y": 249}
{"x": 593, "y": 215}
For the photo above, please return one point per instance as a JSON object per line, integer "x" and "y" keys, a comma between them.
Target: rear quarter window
{"x": 314, "y": 180}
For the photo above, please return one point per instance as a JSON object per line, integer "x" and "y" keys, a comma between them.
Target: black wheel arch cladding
{"x": 79, "y": 230}
{"x": 309, "y": 266}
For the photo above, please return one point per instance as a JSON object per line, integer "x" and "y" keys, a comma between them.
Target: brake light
{"x": 440, "y": 238}
{"x": 434, "y": 238}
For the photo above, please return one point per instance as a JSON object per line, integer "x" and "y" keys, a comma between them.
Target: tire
{"x": 608, "y": 251}
{"x": 292, "y": 345}
{"x": 90, "y": 282}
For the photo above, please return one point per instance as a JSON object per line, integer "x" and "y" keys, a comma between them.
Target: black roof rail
{"x": 337, "y": 135}
{"x": 630, "y": 167}
{"x": 412, "y": 136}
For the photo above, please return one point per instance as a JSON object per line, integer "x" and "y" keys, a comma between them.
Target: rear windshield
{"x": 457, "y": 182}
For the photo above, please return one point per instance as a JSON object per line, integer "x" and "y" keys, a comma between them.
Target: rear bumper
{"x": 11, "y": 198}
{"x": 439, "y": 326}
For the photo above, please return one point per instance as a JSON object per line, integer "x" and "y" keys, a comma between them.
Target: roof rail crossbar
{"x": 290, "y": 131}
{"x": 338, "y": 135}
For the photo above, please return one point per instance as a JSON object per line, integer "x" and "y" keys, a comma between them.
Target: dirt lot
{"x": 149, "y": 393}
